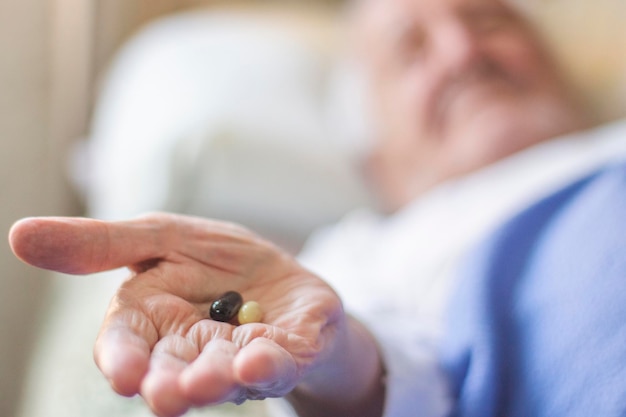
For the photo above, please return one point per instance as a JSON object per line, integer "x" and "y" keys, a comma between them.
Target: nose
{"x": 458, "y": 47}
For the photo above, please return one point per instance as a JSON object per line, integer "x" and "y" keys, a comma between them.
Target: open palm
{"x": 157, "y": 338}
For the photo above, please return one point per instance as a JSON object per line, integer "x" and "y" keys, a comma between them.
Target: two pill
{"x": 231, "y": 304}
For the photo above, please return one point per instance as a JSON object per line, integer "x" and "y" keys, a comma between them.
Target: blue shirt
{"x": 538, "y": 325}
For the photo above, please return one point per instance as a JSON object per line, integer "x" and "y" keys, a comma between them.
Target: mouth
{"x": 471, "y": 94}
{"x": 473, "y": 98}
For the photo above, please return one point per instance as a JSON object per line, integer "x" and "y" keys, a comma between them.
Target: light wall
{"x": 28, "y": 181}
{"x": 589, "y": 38}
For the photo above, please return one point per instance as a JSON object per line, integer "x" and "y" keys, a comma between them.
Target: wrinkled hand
{"x": 157, "y": 339}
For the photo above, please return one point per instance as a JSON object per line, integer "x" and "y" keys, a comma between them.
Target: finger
{"x": 265, "y": 367}
{"x": 209, "y": 379}
{"x": 81, "y": 245}
{"x": 122, "y": 356}
{"x": 160, "y": 387}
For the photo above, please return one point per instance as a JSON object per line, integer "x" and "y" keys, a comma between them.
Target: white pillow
{"x": 220, "y": 115}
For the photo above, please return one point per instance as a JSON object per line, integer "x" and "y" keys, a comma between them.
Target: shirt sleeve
{"x": 415, "y": 384}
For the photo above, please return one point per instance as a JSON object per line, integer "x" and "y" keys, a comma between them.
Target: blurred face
{"x": 457, "y": 84}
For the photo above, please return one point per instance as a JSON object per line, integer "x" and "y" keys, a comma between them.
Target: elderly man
{"x": 460, "y": 86}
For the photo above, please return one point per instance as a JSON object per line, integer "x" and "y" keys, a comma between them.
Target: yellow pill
{"x": 250, "y": 312}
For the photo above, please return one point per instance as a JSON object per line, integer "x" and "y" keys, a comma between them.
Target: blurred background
{"x": 241, "y": 110}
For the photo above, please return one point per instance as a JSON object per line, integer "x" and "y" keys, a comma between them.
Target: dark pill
{"x": 226, "y": 307}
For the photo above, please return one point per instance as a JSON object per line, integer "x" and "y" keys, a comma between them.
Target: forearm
{"x": 349, "y": 384}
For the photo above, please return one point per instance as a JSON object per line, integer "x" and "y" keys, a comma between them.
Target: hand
{"x": 157, "y": 339}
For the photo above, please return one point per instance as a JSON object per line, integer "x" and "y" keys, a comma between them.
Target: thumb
{"x": 80, "y": 245}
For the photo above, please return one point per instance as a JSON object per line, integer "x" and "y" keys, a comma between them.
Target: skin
{"x": 157, "y": 341}
{"x": 456, "y": 85}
